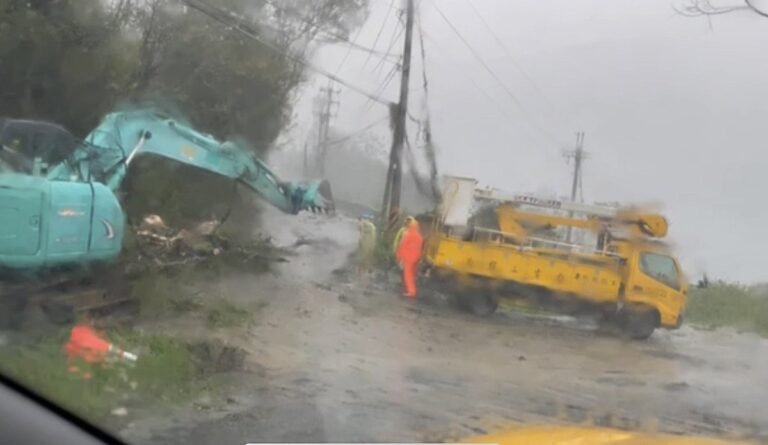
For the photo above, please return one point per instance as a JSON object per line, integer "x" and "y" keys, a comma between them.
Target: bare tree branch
{"x": 751, "y": 5}
{"x": 699, "y": 8}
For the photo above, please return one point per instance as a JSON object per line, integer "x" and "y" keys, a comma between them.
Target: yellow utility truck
{"x": 607, "y": 260}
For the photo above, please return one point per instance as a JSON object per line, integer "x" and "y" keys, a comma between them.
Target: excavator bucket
{"x": 314, "y": 196}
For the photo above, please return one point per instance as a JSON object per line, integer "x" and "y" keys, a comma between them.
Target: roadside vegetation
{"x": 167, "y": 372}
{"x": 725, "y": 304}
{"x": 224, "y": 314}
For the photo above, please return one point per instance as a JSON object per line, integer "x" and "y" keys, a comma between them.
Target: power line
{"x": 393, "y": 40}
{"x": 466, "y": 74}
{"x": 426, "y": 190}
{"x": 378, "y": 34}
{"x": 381, "y": 88}
{"x": 234, "y": 23}
{"x": 510, "y": 56}
{"x": 358, "y": 132}
{"x": 490, "y": 71}
{"x": 428, "y": 145}
{"x": 352, "y": 44}
{"x": 334, "y": 38}
{"x": 349, "y": 51}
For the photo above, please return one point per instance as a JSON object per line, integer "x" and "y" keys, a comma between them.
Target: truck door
{"x": 69, "y": 225}
{"x": 656, "y": 280}
{"x": 108, "y": 224}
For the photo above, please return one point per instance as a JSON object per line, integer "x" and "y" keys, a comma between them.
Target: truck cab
{"x": 655, "y": 281}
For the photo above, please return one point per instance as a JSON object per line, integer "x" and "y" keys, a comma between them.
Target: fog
{"x": 674, "y": 109}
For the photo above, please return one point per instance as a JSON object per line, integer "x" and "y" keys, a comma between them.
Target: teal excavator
{"x": 58, "y": 195}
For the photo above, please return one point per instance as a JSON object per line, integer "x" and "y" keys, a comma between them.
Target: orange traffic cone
{"x": 85, "y": 346}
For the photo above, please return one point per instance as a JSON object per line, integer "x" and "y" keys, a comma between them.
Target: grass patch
{"x": 226, "y": 315}
{"x": 724, "y": 304}
{"x": 155, "y": 292}
{"x": 167, "y": 371}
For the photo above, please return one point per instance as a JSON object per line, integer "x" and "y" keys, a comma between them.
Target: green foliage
{"x": 155, "y": 293}
{"x": 182, "y": 195}
{"x": 64, "y": 61}
{"x": 724, "y": 304}
{"x": 71, "y": 61}
{"x": 166, "y": 371}
{"x": 226, "y": 315}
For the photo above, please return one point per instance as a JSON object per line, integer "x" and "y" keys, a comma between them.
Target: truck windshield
{"x": 661, "y": 268}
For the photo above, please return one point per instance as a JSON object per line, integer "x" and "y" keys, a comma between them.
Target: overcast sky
{"x": 675, "y": 112}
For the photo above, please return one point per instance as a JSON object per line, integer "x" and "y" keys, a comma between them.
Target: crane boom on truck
{"x": 489, "y": 244}
{"x": 69, "y": 213}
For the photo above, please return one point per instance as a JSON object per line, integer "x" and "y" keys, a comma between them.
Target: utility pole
{"x": 578, "y": 155}
{"x": 391, "y": 205}
{"x": 325, "y": 110}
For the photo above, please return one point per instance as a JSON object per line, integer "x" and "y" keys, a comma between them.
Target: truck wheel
{"x": 639, "y": 324}
{"x": 482, "y": 304}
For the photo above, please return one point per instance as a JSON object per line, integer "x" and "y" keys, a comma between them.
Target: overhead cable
{"x": 509, "y": 55}
{"x": 395, "y": 37}
{"x": 490, "y": 71}
{"x": 378, "y": 34}
{"x": 235, "y": 23}
{"x": 358, "y": 132}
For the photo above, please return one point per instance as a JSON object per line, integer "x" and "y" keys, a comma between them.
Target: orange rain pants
{"x": 408, "y": 255}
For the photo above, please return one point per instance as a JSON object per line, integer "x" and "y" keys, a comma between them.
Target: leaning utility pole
{"x": 324, "y": 109}
{"x": 578, "y": 155}
{"x": 392, "y": 189}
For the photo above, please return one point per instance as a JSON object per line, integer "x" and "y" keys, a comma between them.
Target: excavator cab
{"x": 22, "y": 141}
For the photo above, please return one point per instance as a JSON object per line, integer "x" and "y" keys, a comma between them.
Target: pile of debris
{"x": 159, "y": 246}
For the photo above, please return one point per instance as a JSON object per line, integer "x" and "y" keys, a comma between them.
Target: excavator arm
{"x": 111, "y": 147}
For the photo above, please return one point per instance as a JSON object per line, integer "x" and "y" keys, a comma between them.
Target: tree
{"x": 72, "y": 61}
{"x": 224, "y": 81}
{"x": 61, "y": 60}
{"x": 696, "y": 8}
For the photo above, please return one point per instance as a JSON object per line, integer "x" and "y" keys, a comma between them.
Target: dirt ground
{"x": 346, "y": 360}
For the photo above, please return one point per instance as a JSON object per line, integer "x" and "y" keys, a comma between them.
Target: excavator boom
{"x": 122, "y": 136}
{"x": 69, "y": 213}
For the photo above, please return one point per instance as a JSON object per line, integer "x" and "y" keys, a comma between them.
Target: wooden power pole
{"x": 393, "y": 187}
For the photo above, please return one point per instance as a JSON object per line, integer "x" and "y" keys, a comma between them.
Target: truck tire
{"x": 639, "y": 324}
{"x": 481, "y": 303}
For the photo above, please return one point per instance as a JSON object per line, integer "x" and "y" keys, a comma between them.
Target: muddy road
{"x": 346, "y": 360}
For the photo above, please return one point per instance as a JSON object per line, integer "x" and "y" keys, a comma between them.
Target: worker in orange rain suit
{"x": 408, "y": 255}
